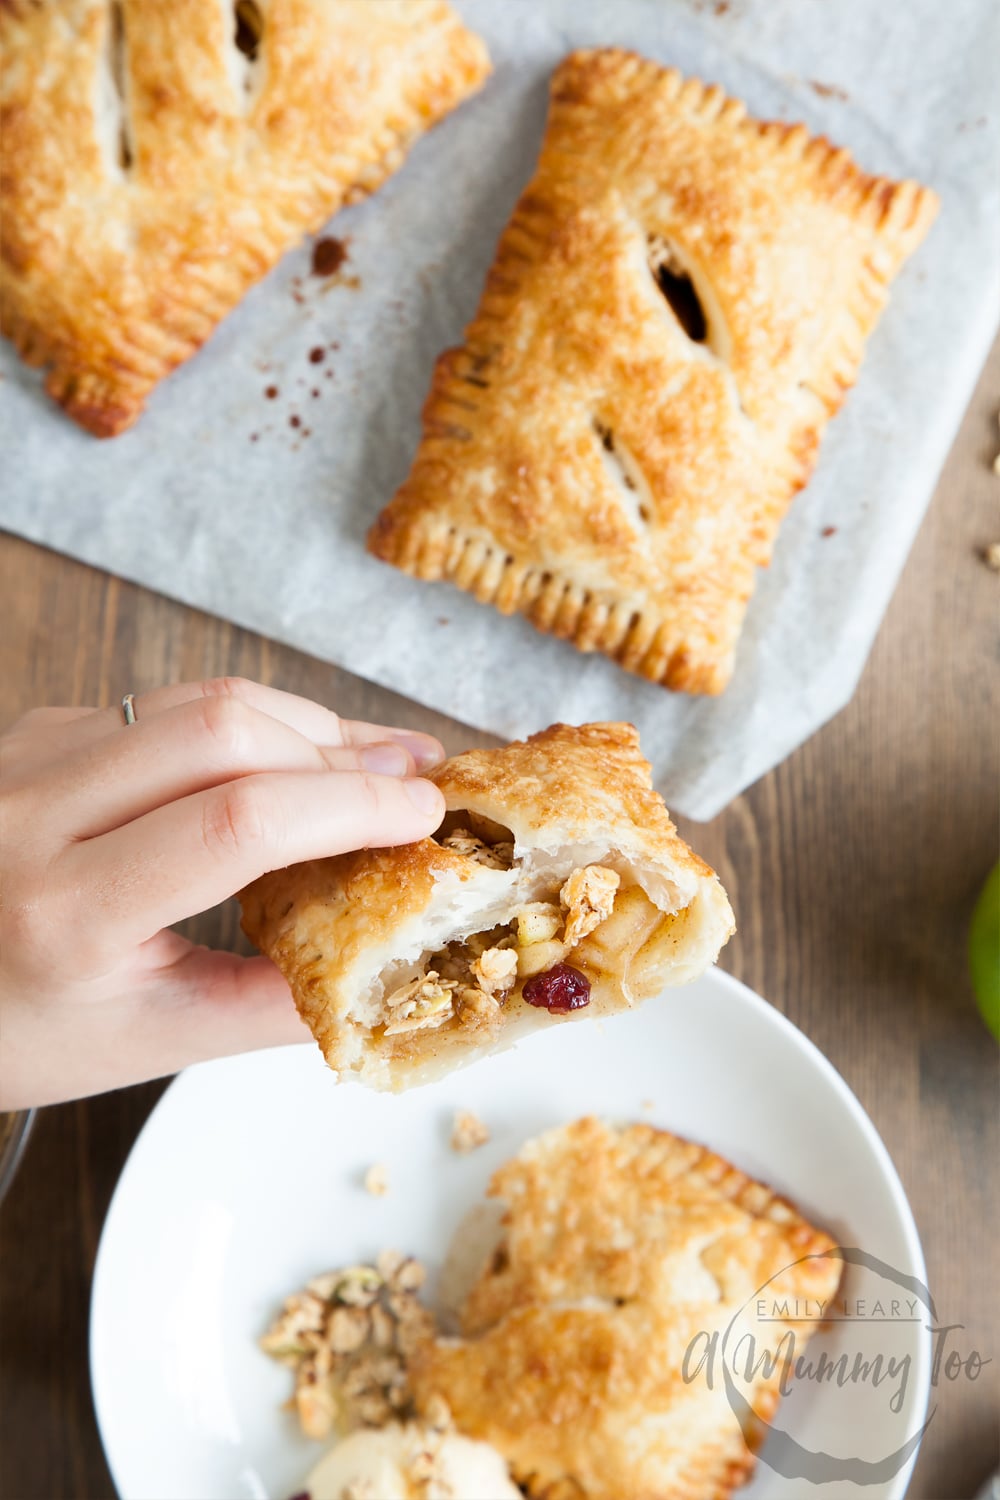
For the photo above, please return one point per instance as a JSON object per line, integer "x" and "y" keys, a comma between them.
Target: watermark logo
{"x": 872, "y": 1319}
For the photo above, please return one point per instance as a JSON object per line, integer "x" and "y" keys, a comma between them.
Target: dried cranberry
{"x": 559, "y": 989}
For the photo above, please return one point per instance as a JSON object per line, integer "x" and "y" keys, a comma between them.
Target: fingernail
{"x": 424, "y": 751}
{"x": 425, "y": 797}
{"x": 385, "y": 760}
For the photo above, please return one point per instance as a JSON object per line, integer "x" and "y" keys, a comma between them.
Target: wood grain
{"x": 852, "y": 868}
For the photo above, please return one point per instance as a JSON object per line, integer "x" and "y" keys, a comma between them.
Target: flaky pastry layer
{"x": 620, "y": 1246}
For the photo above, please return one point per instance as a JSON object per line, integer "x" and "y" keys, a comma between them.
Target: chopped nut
{"x": 468, "y": 1132}
{"x": 537, "y": 922}
{"x": 496, "y": 970}
{"x": 424, "y": 987}
{"x": 377, "y": 1180}
{"x": 318, "y": 1409}
{"x": 412, "y": 1336}
{"x": 496, "y": 857}
{"x": 437, "y": 1413}
{"x": 478, "y": 1002}
{"x": 992, "y": 556}
{"x": 358, "y": 1286}
{"x": 349, "y": 1328}
{"x": 374, "y": 1410}
{"x": 478, "y": 942}
{"x": 288, "y": 1339}
{"x": 285, "y": 1354}
{"x": 387, "y": 1371}
{"x": 409, "y": 1277}
{"x": 357, "y": 1379}
{"x": 388, "y": 1263}
{"x": 324, "y": 1287}
{"x": 478, "y": 1011}
{"x": 383, "y": 1327}
{"x": 413, "y": 1329}
{"x": 421, "y": 1005}
{"x": 588, "y": 895}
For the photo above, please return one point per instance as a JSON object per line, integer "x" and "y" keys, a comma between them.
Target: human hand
{"x": 111, "y": 832}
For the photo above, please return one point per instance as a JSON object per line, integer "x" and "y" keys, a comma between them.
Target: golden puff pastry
{"x": 677, "y": 307}
{"x": 620, "y": 1249}
{"x": 557, "y": 886}
{"x": 159, "y": 158}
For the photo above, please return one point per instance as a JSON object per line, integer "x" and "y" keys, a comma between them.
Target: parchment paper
{"x": 217, "y": 499}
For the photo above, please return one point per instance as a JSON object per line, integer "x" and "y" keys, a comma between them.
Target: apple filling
{"x": 589, "y": 925}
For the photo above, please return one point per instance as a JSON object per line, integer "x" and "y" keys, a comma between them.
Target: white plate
{"x": 247, "y": 1180}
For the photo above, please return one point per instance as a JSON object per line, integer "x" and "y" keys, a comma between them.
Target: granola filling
{"x": 468, "y": 982}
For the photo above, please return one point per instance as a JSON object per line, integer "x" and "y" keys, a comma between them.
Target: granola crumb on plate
{"x": 348, "y": 1337}
{"x": 377, "y": 1180}
{"x": 468, "y": 1132}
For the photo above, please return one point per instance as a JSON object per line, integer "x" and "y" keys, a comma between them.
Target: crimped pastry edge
{"x": 630, "y": 630}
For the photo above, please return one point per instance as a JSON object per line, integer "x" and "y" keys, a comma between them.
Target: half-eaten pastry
{"x": 622, "y": 1249}
{"x": 557, "y": 886}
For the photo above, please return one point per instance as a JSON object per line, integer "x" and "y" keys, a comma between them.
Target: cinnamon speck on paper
{"x": 377, "y": 1180}
{"x": 468, "y": 1132}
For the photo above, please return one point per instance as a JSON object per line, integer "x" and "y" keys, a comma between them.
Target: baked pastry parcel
{"x": 621, "y": 1249}
{"x": 159, "y": 158}
{"x": 676, "y": 309}
{"x": 557, "y": 887}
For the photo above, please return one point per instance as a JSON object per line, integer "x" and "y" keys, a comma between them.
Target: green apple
{"x": 984, "y": 951}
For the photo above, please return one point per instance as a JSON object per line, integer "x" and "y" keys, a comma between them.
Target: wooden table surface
{"x": 852, "y": 868}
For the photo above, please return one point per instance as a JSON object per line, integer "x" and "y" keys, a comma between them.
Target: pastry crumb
{"x": 377, "y": 1180}
{"x": 468, "y": 1132}
{"x": 991, "y": 556}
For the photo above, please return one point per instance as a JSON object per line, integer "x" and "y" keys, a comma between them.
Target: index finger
{"x": 313, "y": 720}
{"x": 188, "y": 855}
